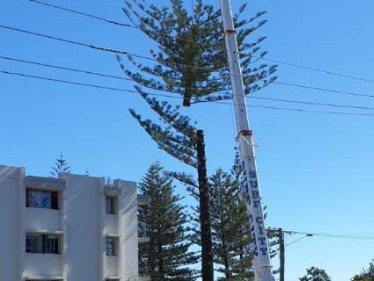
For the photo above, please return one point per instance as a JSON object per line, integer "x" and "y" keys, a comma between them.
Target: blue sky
{"x": 315, "y": 169}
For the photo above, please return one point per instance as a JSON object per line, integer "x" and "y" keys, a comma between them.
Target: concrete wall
{"x": 82, "y": 228}
{"x": 38, "y": 218}
{"x": 11, "y": 180}
{"x": 129, "y": 229}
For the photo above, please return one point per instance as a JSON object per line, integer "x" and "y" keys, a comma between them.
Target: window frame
{"x": 42, "y": 198}
{"x": 43, "y": 243}
{"x": 111, "y": 205}
{"x": 49, "y": 279}
{"x": 111, "y": 246}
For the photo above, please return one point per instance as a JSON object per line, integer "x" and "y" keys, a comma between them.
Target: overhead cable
{"x": 177, "y": 97}
{"x": 98, "y": 48}
{"x": 72, "y": 42}
{"x": 65, "y": 68}
{"x": 323, "y": 89}
{"x": 254, "y": 56}
{"x": 83, "y": 14}
{"x": 315, "y": 69}
{"x": 127, "y": 79}
{"x": 333, "y": 235}
{"x": 66, "y": 82}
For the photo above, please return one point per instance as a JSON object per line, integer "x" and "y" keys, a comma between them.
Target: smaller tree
{"x": 61, "y": 166}
{"x": 315, "y": 274}
{"x": 366, "y": 274}
{"x": 167, "y": 256}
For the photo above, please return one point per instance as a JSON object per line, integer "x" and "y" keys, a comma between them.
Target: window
{"x": 111, "y": 205}
{"x": 44, "y": 279}
{"x": 111, "y": 246}
{"x": 37, "y": 198}
{"x": 43, "y": 243}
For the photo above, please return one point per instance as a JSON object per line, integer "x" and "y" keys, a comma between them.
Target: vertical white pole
{"x": 252, "y": 198}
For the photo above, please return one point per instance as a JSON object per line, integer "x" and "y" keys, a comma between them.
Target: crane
{"x": 251, "y": 191}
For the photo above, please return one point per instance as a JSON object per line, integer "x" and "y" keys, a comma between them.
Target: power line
{"x": 333, "y": 235}
{"x": 323, "y": 89}
{"x": 65, "y": 68}
{"x": 105, "y": 20}
{"x": 251, "y": 55}
{"x": 312, "y": 103}
{"x": 66, "y": 82}
{"x": 316, "y": 69}
{"x": 98, "y": 48}
{"x": 147, "y": 58}
{"x": 175, "y": 97}
{"x": 127, "y": 79}
{"x": 84, "y": 14}
{"x": 73, "y": 42}
{"x": 310, "y": 111}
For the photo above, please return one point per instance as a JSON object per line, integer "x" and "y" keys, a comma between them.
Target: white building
{"x": 74, "y": 228}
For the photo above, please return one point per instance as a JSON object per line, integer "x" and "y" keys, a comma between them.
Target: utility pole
{"x": 281, "y": 254}
{"x": 207, "y": 272}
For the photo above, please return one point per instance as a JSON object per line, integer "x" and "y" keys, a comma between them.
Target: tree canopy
{"x": 190, "y": 58}
{"x": 315, "y": 274}
{"x": 61, "y": 166}
{"x": 166, "y": 256}
{"x": 366, "y": 274}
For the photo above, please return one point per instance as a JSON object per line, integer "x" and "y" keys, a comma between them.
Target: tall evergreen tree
{"x": 167, "y": 252}
{"x": 61, "y": 166}
{"x": 315, "y": 274}
{"x": 190, "y": 59}
{"x": 230, "y": 228}
{"x": 179, "y": 138}
{"x": 366, "y": 274}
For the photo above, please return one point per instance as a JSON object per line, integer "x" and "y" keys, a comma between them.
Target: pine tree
{"x": 230, "y": 228}
{"x": 315, "y": 274}
{"x": 366, "y": 274}
{"x": 178, "y": 137}
{"x": 61, "y": 166}
{"x": 191, "y": 59}
{"x": 167, "y": 253}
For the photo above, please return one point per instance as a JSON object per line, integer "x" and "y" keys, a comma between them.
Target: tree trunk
{"x": 205, "y": 223}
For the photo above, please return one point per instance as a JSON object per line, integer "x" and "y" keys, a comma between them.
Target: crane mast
{"x": 251, "y": 191}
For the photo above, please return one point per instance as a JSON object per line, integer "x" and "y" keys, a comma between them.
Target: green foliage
{"x": 175, "y": 135}
{"x": 366, "y": 274}
{"x": 315, "y": 274}
{"x": 190, "y": 59}
{"x": 61, "y": 166}
{"x": 230, "y": 227}
{"x": 166, "y": 255}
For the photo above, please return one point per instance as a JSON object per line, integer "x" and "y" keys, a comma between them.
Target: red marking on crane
{"x": 245, "y": 133}
{"x": 230, "y": 31}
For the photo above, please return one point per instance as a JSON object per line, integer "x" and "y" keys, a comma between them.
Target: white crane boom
{"x": 252, "y": 198}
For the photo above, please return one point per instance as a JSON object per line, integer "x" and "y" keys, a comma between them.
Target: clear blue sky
{"x": 315, "y": 169}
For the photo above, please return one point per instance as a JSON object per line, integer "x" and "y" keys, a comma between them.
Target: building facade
{"x": 74, "y": 228}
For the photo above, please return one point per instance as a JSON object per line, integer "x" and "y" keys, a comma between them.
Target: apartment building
{"x": 74, "y": 228}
